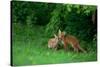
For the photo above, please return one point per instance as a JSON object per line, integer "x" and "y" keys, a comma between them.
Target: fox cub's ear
{"x": 59, "y": 31}
{"x": 55, "y": 35}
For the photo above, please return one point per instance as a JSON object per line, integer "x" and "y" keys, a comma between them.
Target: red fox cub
{"x": 69, "y": 39}
{"x": 53, "y": 42}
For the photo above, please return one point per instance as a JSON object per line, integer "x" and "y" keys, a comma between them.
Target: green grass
{"x": 30, "y": 48}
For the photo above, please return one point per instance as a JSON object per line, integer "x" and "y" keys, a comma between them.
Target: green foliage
{"x": 30, "y": 48}
{"x": 29, "y": 12}
{"x": 74, "y": 19}
{"x": 34, "y": 23}
{"x": 53, "y": 26}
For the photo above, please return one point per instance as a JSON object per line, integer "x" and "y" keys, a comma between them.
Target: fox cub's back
{"x": 71, "y": 39}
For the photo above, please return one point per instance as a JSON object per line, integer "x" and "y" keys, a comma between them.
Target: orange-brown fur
{"x": 69, "y": 39}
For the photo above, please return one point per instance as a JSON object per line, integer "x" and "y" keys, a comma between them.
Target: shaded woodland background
{"x": 33, "y": 23}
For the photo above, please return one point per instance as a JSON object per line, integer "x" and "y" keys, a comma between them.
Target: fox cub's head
{"x": 61, "y": 34}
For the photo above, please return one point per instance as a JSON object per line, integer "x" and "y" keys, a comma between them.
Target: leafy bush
{"x": 77, "y": 20}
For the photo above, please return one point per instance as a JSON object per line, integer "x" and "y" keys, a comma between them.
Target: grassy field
{"x": 30, "y": 48}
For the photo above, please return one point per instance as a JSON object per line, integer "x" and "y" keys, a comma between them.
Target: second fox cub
{"x": 69, "y": 39}
{"x": 53, "y": 42}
